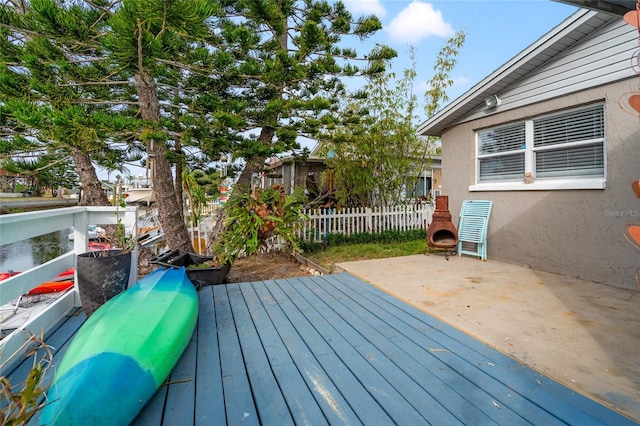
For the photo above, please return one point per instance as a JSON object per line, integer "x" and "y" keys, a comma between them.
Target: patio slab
{"x": 583, "y": 334}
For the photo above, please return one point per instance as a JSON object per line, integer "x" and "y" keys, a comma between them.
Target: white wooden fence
{"x": 350, "y": 221}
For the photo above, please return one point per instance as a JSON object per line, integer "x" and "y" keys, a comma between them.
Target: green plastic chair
{"x": 472, "y": 227}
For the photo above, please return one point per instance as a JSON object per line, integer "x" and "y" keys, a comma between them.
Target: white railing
{"x": 21, "y": 226}
{"x": 357, "y": 220}
{"x": 207, "y": 210}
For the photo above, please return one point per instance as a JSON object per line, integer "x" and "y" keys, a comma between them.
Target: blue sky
{"x": 496, "y": 31}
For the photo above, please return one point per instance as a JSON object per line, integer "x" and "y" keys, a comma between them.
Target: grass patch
{"x": 346, "y": 253}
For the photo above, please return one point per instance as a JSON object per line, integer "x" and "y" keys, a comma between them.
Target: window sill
{"x": 541, "y": 185}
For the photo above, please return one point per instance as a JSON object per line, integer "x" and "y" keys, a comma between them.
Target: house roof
{"x": 560, "y": 38}
{"x": 614, "y": 7}
{"x": 275, "y": 162}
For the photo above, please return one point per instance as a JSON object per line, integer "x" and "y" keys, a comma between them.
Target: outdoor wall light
{"x": 492, "y": 101}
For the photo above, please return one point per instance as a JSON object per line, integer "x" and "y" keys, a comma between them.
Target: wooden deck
{"x": 335, "y": 350}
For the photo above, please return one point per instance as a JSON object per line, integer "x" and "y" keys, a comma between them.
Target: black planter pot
{"x": 101, "y": 276}
{"x": 199, "y": 276}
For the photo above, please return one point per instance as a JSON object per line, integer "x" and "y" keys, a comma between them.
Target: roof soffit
{"x": 613, "y": 7}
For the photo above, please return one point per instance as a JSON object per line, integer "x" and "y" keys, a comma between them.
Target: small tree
{"x": 376, "y": 153}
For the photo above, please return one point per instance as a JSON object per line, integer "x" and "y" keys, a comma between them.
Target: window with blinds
{"x": 569, "y": 144}
{"x": 501, "y": 153}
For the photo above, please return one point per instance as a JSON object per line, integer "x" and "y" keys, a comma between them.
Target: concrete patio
{"x": 582, "y": 334}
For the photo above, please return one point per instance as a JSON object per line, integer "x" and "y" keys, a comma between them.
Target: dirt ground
{"x": 266, "y": 266}
{"x": 259, "y": 267}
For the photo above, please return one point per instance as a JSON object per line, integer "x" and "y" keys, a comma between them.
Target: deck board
{"x": 238, "y": 398}
{"x": 182, "y": 387}
{"x": 335, "y": 350}
{"x": 357, "y": 353}
{"x": 318, "y": 397}
{"x": 426, "y": 360}
{"x": 475, "y": 369}
{"x": 209, "y": 399}
{"x": 407, "y": 367}
{"x": 268, "y": 397}
{"x": 58, "y": 339}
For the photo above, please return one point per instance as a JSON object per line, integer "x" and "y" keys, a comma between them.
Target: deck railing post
{"x": 80, "y": 245}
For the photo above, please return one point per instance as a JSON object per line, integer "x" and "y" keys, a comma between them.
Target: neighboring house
{"x": 553, "y": 139}
{"x": 309, "y": 174}
{"x": 8, "y": 181}
{"x": 294, "y": 171}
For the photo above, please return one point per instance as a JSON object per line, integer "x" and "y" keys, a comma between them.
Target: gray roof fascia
{"x": 613, "y": 7}
{"x": 508, "y": 73}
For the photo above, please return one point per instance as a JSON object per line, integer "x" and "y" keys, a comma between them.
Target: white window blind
{"x": 580, "y": 161}
{"x": 501, "y": 152}
{"x": 505, "y": 167}
{"x": 568, "y": 145}
{"x": 502, "y": 139}
{"x": 574, "y": 126}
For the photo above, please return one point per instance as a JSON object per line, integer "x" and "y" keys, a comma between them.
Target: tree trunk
{"x": 93, "y": 195}
{"x": 256, "y": 164}
{"x": 178, "y": 179}
{"x": 253, "y": 166}
{"x": 173, "y": 227}
{"x": 180, "y": 159}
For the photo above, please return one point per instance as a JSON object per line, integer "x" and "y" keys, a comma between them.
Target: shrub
{"x": 255, "y": 218}
{"x": 385, "y": 237}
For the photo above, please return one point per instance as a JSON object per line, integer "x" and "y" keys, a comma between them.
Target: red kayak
{"x": 51, "y": 287}
{"x": 8, "y": 274}
{"x": 61, "y": 282}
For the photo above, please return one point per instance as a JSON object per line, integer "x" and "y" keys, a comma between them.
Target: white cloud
{"x": 366, "y": 7}
{"x": 417, "y": 21}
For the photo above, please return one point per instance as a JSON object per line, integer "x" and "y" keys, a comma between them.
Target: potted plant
{"x": 102, "y": 274}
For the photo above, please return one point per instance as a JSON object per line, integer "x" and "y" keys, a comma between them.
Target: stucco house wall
{"x": 572, "y": 232}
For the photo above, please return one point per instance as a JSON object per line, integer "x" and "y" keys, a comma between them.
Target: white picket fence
{"x": 350, "y": 221}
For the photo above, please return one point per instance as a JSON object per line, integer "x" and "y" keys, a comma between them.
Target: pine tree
{"x": 99, "y": 74}
{"x": 290, "y": 70}
{"x": 177, "y": 78}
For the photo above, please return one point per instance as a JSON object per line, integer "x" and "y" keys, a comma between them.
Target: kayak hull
{"x": 124, "y": 352}
{"x": 51, "y": 287}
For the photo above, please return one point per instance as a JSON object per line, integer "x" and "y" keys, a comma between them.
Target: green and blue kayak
{"x": 124, "y": 352}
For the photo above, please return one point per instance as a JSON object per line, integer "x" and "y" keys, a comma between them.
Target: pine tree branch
{"x": 97, "y": 83}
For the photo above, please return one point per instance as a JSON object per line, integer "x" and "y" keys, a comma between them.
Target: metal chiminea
{"x": 442, "y": 233}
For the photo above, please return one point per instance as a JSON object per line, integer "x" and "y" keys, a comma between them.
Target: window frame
{"x": 549, "y": 183}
